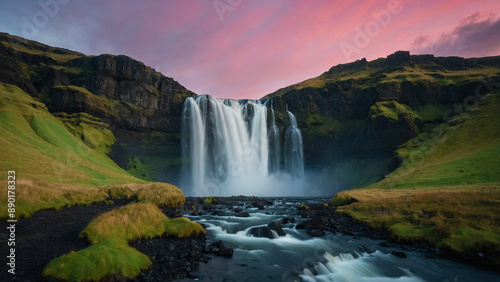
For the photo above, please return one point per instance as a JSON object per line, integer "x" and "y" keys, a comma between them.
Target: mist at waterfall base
{"x": 234, "y": 147}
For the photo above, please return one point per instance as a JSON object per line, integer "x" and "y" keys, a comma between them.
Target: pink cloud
{"x": 256, "y": 46}
{"x": 474, "y": 36}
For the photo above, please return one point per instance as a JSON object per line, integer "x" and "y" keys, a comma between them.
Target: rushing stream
{"x": 300, "y": 257}
{"x": 235, "y": 147}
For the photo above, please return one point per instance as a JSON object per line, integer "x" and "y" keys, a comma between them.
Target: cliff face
{"x": 370, "y": 108}
{"x": 141, "y": 106}
{"x": 353, "y": 117}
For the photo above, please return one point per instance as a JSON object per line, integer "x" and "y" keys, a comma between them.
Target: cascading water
{"x": 228, "y": 149}
{"x": 274, "y": 144}
{"x": 294, "y": 156}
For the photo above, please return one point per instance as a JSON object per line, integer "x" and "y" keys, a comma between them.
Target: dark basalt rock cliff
{"x": 353, "y": 117}
{"x": 141, "y": 106}
{"x": 366, "y": 108}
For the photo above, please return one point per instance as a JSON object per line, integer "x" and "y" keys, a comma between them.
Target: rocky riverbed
{"x": 247, "y": 238}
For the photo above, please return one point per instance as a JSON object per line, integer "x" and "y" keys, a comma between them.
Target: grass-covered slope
{"x": 138, "y": 105}
{"x": 38, "y": 145}
{"x": 51, "y": 163}
{"x": 370, "y": 108}
{"x": 447, "y": 189}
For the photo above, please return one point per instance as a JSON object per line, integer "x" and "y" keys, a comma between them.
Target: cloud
{"x": 257, "y": 46}
{"x": 474, "y": 36}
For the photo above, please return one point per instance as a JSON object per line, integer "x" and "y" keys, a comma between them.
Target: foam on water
{"x": 347, "y": 267}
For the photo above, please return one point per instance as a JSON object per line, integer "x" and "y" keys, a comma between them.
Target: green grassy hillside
{"x": 447, "y": 189}
{"x": 39, "y": 147}
{"x": 371, "y": 108}
{"x": 52, "y": 165}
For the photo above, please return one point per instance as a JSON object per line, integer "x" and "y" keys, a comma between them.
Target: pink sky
{"x": 248, "y": 48}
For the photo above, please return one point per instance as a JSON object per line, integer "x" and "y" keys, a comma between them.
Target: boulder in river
{"x": 242, "y": 214}
{"x": 314, "y": 223}
{"x": 261, "y": 231}
{"x": 258, "y": 205}
{"x": 399, "y": 254}
{"x": 276, "y": 226}
{"x": 219, "y": 249}
{"x": 316, "y": 232}
{"x": 267, "y": 231}
{"x": 287, "y": 220}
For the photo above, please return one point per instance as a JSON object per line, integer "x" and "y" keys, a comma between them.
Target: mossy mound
{"x": 110, "y": 255}
{"x": 126, "y": 223}
{"x": 158, "y": 193}
{"x": 106, "y": 259}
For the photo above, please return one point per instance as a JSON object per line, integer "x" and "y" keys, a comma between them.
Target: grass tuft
{"x": 107, "y": 258}
{"x": 35, "y": 195}
{"x": 182, "y": 227}
{"x": 109, "y": 233}
{"x": 158, "y": 193}
{"x": 127, "y": 223}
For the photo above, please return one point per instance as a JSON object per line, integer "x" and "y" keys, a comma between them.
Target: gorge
{"x": 420, "y": 133}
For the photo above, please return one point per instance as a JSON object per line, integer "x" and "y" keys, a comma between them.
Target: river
{"x": 300, "y": 257}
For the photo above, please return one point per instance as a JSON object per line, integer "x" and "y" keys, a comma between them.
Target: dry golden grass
{"x": 135, "y": 221}
{"x": 130, "y": 222}
{"x": 34, "y": 195}
{"x": 182, "y": 227}
{"x": 158, "y": 193}
{"x": 464, "y": 218}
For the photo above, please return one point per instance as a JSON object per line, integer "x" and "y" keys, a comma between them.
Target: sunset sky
{"x": 249, "y": 48}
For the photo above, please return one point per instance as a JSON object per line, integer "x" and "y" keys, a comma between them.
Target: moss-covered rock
{"x": 107, "y": 259}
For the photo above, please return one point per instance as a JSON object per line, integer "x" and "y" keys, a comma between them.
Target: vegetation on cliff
{"x": 137, "y": 104}
{"x": 446, "y": 189}
{"x": 61, "y": 116}
{"x": 371, "y": 108}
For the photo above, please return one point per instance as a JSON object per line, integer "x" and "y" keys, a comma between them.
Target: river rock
{"x": 205, "y": 259}
{"x": 208, "y": 207}
{"x": 219, "y": 249}
{"x": 196, "y": 213}
{"x": 385, "y": 244}
{"x": 287, "y": 220}
{"x": 258, "y": 205}
{"x": 399, "y": 254}
{"x": 261, "y": 231}
{"x": 430, "y": 256}
{"x": 314, "y": 223}
{"x": 242, "y": 214}
{"x": 220, "y": 213}
{"x": 367, "y": 249}
{"x": 316, "y": 232}
{"x": 276, "y": 226}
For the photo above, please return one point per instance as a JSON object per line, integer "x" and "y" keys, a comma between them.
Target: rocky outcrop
{"x": 141, "y": 106}
{"x": 351, "y": 111}
{"x": 335, "y": 111}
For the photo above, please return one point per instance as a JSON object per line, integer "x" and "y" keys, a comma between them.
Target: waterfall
{"x": 227, "y": 147}
{"x": 294, "y": 156}
{"x": 274, "y": 144}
